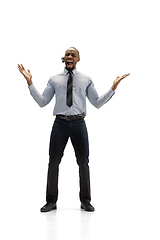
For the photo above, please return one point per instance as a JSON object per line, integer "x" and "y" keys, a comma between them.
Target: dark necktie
{"x": 69, "y": 90}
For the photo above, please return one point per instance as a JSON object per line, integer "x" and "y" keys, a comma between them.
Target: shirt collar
{"x": 66, "y": 71}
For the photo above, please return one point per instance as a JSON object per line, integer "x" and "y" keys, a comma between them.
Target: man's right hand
{"x": 26, "y": 74}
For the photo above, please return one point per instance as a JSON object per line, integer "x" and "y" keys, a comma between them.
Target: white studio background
{"x": 114, "y": 38}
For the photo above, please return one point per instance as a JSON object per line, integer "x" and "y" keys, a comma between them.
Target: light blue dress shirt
{"x": 82, "y": 87}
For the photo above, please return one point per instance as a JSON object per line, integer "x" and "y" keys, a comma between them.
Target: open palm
{"x": 118, "y": 80}
{"x": 26, "y": 74}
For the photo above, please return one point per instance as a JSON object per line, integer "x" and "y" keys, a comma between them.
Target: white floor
{"x": 123, "y": 218}
{"x": 125, "y": 194}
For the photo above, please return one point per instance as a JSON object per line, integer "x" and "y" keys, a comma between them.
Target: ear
{"x": 78, "y": 59}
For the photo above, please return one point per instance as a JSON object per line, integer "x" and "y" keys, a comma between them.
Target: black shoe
{"x": 87, "y": 207}
{"x": 49, "y": 207}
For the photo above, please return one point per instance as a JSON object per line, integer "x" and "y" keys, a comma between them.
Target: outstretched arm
{"x": 100, "y": 101}
{"x": 118, "y": 80}
{"x": 26, "y": 74}
{"x": 48, "y": 93}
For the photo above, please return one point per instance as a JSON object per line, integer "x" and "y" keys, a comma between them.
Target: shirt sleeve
{"x": 47, "y": 95}
{"x": 94, "y": 99}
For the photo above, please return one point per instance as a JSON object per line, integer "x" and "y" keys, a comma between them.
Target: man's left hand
{"x": 118, "y": 80}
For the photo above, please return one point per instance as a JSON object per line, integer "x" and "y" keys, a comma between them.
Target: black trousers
{"x": 60, "y": 134}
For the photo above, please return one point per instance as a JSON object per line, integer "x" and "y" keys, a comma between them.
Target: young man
{"x": 71, "y": 89}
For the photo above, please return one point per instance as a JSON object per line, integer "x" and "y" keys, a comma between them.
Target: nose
{"x": 70, "y": 56}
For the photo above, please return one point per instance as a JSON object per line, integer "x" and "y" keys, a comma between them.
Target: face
{"x": 71, "y": 58}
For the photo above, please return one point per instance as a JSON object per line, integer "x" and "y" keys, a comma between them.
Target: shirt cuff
{"x": 31, "y": 86}
{"x": 111, "y": 91}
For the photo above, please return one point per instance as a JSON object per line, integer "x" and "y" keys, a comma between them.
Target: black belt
{"x": 71, "y": 117}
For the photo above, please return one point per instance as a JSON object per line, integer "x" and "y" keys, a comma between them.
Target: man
{"x": 70, "y": 88}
